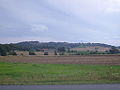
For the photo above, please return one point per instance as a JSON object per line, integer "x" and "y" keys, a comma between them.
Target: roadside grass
{"x": 45, "y": 74}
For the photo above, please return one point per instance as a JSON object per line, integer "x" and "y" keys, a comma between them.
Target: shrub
{"x": 12, "y": 53}
{"x": 45, "y": 53}
{"x": 31, "y": 53}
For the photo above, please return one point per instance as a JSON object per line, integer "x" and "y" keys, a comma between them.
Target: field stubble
{"x": 84, "y": 59}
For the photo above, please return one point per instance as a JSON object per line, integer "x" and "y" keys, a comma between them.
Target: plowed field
{"x": 87, "y": 59}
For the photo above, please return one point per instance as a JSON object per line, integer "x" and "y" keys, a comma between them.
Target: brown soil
{"x": 97, "y": 48}
{"x": 86, "y": 59}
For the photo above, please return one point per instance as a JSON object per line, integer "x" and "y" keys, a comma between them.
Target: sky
{"x": 95, "y": 21}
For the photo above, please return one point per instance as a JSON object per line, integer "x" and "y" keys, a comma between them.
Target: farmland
{"x": 47, "y": 70}
{"x": 27, "y": 73}
{"x": 80, "y": 59}
{"x": 93, "y": 48}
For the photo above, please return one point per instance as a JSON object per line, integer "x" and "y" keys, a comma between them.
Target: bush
{"x": 32, "y": 53}
{"x": 45, "y": 53}
{"x": 3, "y": 53}
{"x": 12, "y": 53}
{"x": 114, "y": 50}
{"x": 55, "y": 53}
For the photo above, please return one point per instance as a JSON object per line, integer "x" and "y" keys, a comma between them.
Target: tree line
{"x": 60, "y": 47}
{"x": 35, "y": 45}
{"x": 7, "y": 49}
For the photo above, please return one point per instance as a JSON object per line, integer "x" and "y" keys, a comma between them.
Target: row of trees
{"x": 7, "y": 49}
{"x": 35, "y": 45}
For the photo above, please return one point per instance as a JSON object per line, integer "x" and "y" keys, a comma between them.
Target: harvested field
{"x": 85, "y": 59}
{"x": 100, "y": 49}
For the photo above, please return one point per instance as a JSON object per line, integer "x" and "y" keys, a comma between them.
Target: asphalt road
{"x": 61, "y": 87}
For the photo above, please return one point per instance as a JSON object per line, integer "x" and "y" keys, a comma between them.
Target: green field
{"x": 26, "y": 73}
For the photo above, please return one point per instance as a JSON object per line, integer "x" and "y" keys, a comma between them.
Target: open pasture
{"x": 28, "y": 73}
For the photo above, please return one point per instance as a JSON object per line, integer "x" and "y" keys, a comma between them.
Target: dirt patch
{"x": 85, "y": 59}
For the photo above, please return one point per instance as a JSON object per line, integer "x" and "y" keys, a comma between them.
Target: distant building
{"x": 22, "y": 53}
{"x": 39, "y": 52}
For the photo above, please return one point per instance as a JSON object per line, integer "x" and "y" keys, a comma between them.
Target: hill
{"x": 56, "y": 47}
{"x": 35, "y": 45}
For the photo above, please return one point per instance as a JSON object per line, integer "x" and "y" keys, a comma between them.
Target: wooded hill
{"x": 9, "y": 49}
{"x": 35, "y": 45}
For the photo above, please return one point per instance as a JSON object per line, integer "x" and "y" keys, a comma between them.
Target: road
{"x": 61, "y": 87}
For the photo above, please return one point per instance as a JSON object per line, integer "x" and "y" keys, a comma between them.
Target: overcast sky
{"x": 60, "y": 20}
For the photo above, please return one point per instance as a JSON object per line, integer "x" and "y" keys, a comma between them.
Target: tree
{"x": 55, "y": 52}
{"x": 61, "y": 49}
{"x": 12, "y": 53}
{"x": 114, "y": 50}
{"x": 31, "y": 53}
{"x": 45, "y": 53}
{"x": 3, "y": 51}
{"x": 68, "y": 50}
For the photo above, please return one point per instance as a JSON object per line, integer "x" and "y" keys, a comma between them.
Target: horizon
{"x": 95, "y": 21}
{"x": 55, "y": 42}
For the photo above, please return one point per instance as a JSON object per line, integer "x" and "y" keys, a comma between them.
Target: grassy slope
{"x": 25, "y": 73}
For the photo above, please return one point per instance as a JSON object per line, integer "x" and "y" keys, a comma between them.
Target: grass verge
{"x": 48, "y": 74}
